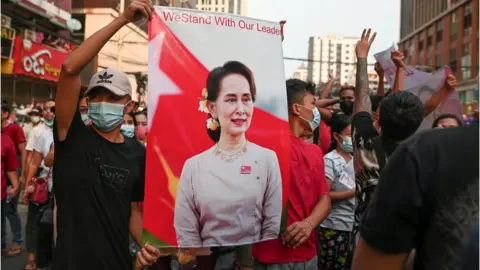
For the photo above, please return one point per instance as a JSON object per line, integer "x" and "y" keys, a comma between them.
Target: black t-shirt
{"x": 427, "y": 199}
{"x": 366, "y": 160}
{"x": 95, "y": 182}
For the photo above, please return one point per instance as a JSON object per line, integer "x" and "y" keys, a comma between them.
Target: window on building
{"x": 347, "y": 58}
{"x": 466, "y": 61}
{"x": 430, "y": 66}
{"x": 454, "y": 26}
{"x": 444, "y": 5}
{"x": 453, "y": 60}
{"x": 420, "y": 45}
{"x": 231, "y": 6}
{"x": 439, "y": 35}
{"x": 216, "y": 2}
{"x": 463, "y": 96}
{"x": 438, "y": 61}
{"x": 467, "y": 20}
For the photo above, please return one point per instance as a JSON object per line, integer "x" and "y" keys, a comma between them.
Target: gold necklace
{"x": 230, "y": 156}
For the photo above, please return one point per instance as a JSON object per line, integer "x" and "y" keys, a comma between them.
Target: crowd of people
{"x": 369, "y": 190}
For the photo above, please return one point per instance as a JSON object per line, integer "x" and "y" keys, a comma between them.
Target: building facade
{"x": 443, "y": 32}
{"x": 301, "y": 73}
{"x": 36, "y": 39}
{"x": 238, "y": 7}
{"x": 331, "y": 54}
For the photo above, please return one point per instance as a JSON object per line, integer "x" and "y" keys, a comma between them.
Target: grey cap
{"x": 114, "y": 80}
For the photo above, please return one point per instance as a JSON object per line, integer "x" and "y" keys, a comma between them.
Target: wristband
{"x": 309, "y": 223}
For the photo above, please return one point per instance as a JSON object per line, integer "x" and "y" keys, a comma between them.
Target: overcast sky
{"x": 306, "y": 18}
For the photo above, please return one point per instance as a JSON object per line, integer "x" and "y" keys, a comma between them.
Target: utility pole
{"x": 120, "y": 38}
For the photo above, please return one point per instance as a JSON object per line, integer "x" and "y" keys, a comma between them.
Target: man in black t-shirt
{"x": 99, "y": 174}
{"x": 427, "y": 200}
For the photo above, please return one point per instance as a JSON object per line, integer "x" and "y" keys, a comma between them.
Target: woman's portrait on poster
{"x": 230, "y": 194}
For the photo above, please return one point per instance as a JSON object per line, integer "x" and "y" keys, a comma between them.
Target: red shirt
{"x": 307, "y": 184}
{"x": 9, "y": 161}
{"x": 325, "y": 137}
{"x": 15, "y": 132}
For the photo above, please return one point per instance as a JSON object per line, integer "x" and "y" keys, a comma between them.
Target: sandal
{"x": 31, "y": 265}
{"x": 12, "y": 252}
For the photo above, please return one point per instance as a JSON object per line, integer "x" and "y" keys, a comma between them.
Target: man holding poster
{"x": 98, "y": 176}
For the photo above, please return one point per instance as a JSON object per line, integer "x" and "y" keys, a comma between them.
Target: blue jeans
{"x": 11, "y": 212}
{"x": 4, "y": 227}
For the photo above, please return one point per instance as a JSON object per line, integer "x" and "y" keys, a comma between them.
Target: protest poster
{"x": 215, "y": 77}
{"x": 423, "y": 85}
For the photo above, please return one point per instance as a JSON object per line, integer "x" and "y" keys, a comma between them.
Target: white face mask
{"x": 35, "y": 119}
{"x": 310, "y": 140}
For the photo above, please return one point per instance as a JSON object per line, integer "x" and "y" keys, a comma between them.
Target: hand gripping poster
{"x": 218, "y": 144}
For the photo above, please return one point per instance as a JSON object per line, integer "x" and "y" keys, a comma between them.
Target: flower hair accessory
{"x": 212, "y": 124}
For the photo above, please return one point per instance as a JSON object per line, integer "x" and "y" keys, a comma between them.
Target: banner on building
{"x": 215, "y": 80}
{"x": 37, "y": 60}
{"x": 8, "y": 38}
{"x": 422, "y": 84}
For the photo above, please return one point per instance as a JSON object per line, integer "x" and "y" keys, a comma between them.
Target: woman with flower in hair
{"x": 231, "y": 194}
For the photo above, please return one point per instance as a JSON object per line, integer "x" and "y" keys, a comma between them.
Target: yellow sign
{"x": 7, "y": 66}
{"x": 8, "y": 33}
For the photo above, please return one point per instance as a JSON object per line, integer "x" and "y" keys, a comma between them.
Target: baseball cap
{"x": 34, "y": 111}
{"x": 113, "y": 80}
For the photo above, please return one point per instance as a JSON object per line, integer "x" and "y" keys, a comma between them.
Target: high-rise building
{"x": 331, "y": 54}
{"x": 300, "y": 73}
{"x": 230, "y": 6}
{"x": 434, "y": 33}
{"x": 177, "y": 3}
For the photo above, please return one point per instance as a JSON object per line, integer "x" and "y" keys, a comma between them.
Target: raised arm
{"x": 440, "y": 96}
{"x": 328, "y": 88}
{"x": 362, "y": 100}
{"x": 397, "y": 58}
{"x": 69, "y": 84}
{"x": 381, "y": 76}
{"x": 272, "y": 202}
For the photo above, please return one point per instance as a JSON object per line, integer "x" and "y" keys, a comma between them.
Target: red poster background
{"x": 50, "y": 60}
{"x": 178, "y": 132}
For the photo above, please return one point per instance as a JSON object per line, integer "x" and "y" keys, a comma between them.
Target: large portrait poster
{"x": 218, "y": 143}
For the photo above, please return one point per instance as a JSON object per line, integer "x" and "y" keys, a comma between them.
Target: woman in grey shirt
{"x": 335, "y": 232}
{"x": 231, "y": 194}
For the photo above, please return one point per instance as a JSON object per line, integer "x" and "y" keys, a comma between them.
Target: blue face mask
{"x": 127, "y": 130}
{"x": 347, "y": 144}
{"x": 315, "y": 122}
{"x": 48, "y": 123}
{"x": 105, "y": 116}
{"x": 84, "y": 117}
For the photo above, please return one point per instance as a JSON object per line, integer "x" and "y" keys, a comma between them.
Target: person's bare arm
{"x": 68, "y": 87}
{"x": 322, "y": 103}
{"x": 440, "y": 96}
{"x": 23, "y": 155}
{"x": 362, "y": 100}
{"x": 35, "y": 161}
{"x": 381, "y": 76}
{"x": 49, "y": 158}
{"x": 397, "y": 58}
{"x": 365, "y": 255}
{"x": 325, "y": 114}
{"x": 328, "y": 88}
{"x": 136, "y": 223}
{"x": 339, "y": 195}
{"x": 13, "y": 177}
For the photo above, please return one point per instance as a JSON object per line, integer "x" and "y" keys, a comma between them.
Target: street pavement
{"x": 18, "y": 262}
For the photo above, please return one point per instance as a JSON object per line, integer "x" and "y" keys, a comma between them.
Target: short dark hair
{"x": 6, "y": 108}
{"x": 132, "y": 114}
{"x": 296, "y": 91}
{"x": 447, "y": 116}
{"x": 345, "y": 89}
{"x": 401, "y": 113}
{"x": 214, "y": 79}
